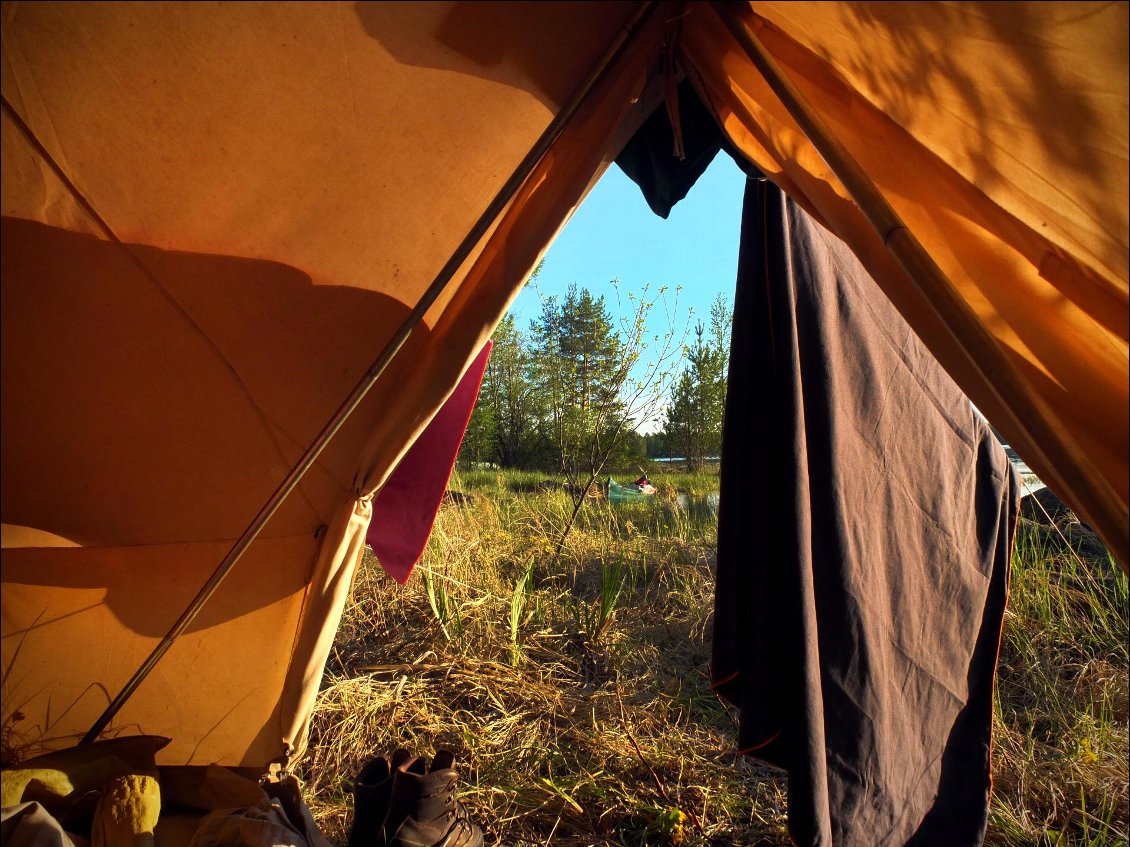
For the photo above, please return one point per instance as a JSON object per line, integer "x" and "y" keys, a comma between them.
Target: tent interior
{"x": 216, "y": 218}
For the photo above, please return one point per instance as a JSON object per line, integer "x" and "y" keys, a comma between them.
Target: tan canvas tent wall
{"x": 215, "y": 216}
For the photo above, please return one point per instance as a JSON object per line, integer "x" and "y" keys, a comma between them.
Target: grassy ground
{"x": 574, "y": 690}
{"x": 1060, "y": 767}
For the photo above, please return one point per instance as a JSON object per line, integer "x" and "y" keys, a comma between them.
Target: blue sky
{"x": 615, "y": 235}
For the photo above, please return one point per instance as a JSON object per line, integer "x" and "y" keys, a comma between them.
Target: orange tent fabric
{"x": 995, "y": 131}
{"x": 216, "y": 215}
{"x": 282, "y": 183}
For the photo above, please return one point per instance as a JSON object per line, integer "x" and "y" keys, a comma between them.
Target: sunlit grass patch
{"x": 1060, "y": 755}
{"x": 572, "y": 683}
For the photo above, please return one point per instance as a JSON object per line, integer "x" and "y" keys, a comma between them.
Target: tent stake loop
{"x": 481, "y": 226}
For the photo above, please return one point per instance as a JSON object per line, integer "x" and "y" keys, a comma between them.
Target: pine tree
{"x": 693, "y": 421}
{"x": 579, "y": 372}
{"x": 504, "y": 424}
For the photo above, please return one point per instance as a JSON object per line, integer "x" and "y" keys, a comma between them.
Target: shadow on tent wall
{"x": 497, "y": 41}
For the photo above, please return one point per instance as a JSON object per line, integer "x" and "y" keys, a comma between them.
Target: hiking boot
{"x": 372, "y": 791}
{"x": 423, "y": 810}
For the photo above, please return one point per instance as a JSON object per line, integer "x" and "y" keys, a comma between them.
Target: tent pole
{"x": 1095, "y": 497}
{"x": 488, "y": 217}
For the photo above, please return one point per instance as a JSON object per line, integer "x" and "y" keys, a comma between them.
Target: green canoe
{"x": 631, "y": 493}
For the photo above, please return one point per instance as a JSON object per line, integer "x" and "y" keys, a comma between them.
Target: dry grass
{"x": 574, "y": 690}
{"x": 587, "y": 720}
{"x": 1061, "y": 738}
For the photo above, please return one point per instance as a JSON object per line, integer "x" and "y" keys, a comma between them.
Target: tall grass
{"x": 573, "y": 688}
{"x": 1062, "y": 706}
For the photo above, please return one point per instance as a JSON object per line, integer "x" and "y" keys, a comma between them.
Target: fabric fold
{"x": 865, "y": 529}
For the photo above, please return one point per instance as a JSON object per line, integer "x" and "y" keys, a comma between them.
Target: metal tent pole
{"x": 505, "y": 194}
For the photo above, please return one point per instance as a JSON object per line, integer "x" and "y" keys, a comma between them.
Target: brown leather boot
{"x": 372, "y": 791}
{"x": 423, "y": 810}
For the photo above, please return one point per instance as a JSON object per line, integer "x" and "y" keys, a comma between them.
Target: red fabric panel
{"x": 405, "y": 509}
